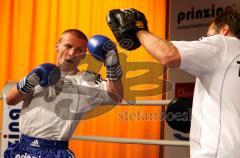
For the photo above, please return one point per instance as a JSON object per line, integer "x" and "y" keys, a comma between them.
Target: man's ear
{"x": 225, "y": 30}
{"x": 56, "y": 47}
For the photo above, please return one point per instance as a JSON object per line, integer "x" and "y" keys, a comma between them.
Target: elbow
{"x": 167, "y": 62}
{"x": 171, "y": 60}
{"x": 13, "y": 100}
{"x": 169, "y": 57}
{"x": 120, "y": 95}
{"x": 172, "y": 63}
{"x": 120, "y": 99}
{"x": 117, "y": 98}
{"x": 164, "y": 60}
{"x": 10, "y": 101}
{"x": 115, "y": 91}
{"x": 14, "y": 97}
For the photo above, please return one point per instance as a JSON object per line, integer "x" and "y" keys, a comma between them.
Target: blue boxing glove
{"x": 103, "y": 49}
{"x": 43, "y": 75}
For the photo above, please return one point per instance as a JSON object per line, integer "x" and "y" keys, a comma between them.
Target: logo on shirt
{"x": 26, "y": 156}
{"x": 35, "y": 143}
{"x": 64, "y": 84}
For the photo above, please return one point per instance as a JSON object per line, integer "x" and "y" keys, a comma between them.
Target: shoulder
{"x": 213, "y": 43}
{"x": 217, "y": 41}
{"x": 214, "y": 38}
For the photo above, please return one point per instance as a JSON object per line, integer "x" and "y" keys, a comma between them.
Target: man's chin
{"x": 67, "y": 67}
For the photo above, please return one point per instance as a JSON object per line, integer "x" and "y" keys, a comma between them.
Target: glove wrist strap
{"x": 27, "y": 84}
{"x": 114, "y": 72}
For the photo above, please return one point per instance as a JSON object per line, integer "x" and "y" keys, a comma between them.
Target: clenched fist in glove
{"x": 103, "y": 49}
{"x": 44, "y": 75}
{"x": 124, "y": 24}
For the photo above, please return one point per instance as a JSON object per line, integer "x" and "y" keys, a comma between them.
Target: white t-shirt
{"x": 215, "y": 126}
{"x": 54, "y": 112}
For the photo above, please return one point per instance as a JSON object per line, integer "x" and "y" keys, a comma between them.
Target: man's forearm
{"x": 115, "y": 90}
{"x": 14, "y": 96}
{"x": 165, "y": 52}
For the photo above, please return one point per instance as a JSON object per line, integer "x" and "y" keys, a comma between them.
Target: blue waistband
{"x": 43, "y": 143}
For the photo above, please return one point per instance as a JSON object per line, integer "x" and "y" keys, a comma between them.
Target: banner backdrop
{"x": 189, "y": 20}
{"x": 10, "y": 123}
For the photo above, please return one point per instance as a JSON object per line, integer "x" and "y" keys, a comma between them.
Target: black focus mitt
{"x": 125, "y": 24}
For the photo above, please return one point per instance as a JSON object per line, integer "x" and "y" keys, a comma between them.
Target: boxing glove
{"x": 103, "y": 49}
{"x": 43, "y": 75}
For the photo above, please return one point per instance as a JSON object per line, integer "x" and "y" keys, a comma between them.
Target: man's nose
{"x": 73, "y": 52}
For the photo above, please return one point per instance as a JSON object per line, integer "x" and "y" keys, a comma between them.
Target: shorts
{"x": 30, "y": 147}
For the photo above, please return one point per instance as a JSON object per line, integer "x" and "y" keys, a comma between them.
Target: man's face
{"x": 71, "y": 50}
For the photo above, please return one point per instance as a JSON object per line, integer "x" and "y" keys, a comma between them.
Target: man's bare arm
{"x": 115, "y": 90}
{"x": 165, "y": 52}
{"x": 14, "y": 96}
